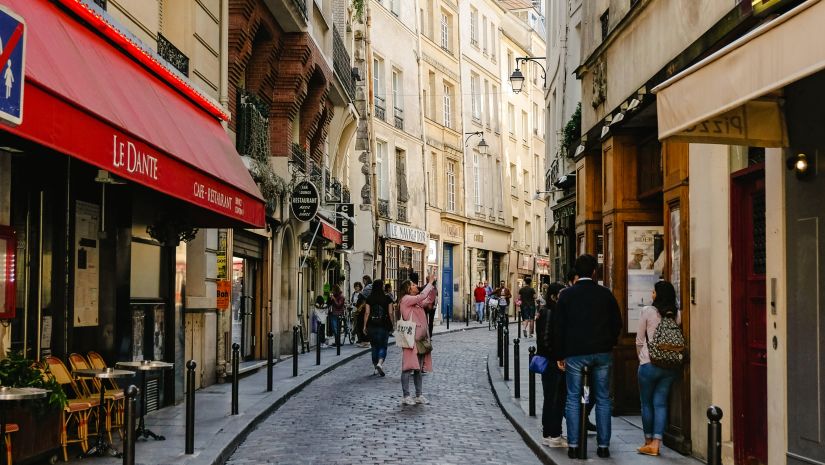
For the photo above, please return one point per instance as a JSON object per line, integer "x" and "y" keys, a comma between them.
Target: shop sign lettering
{"x": 217, "y": 198}
{"x": 304, "y": 202}
{"x": 127, "y": 156}
{"x": 406, "y": 233}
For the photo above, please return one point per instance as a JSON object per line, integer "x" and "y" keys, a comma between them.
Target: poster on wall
{"x": 675, "y": 254}
{"x": 645, "y": 260}
{"x": 86, "y": 264}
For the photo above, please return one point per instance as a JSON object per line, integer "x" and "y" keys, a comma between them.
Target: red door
{"x": 750, "y": 391}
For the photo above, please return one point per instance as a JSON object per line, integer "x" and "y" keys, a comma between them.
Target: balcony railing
{"x": 173, "y": 55}
{"x": 252, "y": 126}
{"x": 342, "y": 63}
{"x": 399, "y": 118}
{"x": 298, "y": 158}
{"x": 100, "y": 3}
{"x": 380, "y": 108}
{"x": 402, "y": 213}
{"x": 302, "y": 7}
{"x": 383, "y": 208}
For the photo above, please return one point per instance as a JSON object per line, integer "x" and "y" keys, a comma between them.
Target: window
{"x": 433, "y": 179}
{"x": 476, "y": 182}
{"x": 484, "y": 34}
{"x": 511, "y": 118}
{"x": 513, "y": 180}
{"x": 395, "y": 7}
{"x": 378, "y": 88}
{"x": 487, "y": 110}
{"x": 535, "y": 118}
{"x": 493, "y": 44}
{"x": 499, "y": 201}
{"x": 381, "y": 169}
{"x": 448, "y": 107}
{"x": 392, "y": 264}
{"x": 450, "y": 186}
{"x": 496, "y": 117}
{"x": 430, "y": 20}
{"x": 538, "y": 173}
{"x": 525, "y": 125}
{"x": 475, "y": 95}
{"x": 474, "y": 27}
{"x": 431, "y": 103}
{"x": 525, "y": 179}
{"x": 605, "y": 23}
{"x": 528, "y": 234}
{"x": 509, "y": 62}
{"x": 397, "y": 99}
{"x": 445, "y": 31}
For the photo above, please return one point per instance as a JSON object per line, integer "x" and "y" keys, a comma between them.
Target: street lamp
{"x": 517, "y": 78}
{"x": 482, "y": 144}
{"x": 538, "y": 194}
{"x": 559, "y": 236}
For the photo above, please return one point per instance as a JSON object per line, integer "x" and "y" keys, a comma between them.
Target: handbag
{"x": 539, "y": 364}
{"x": 423, "y": 346}
{"x": 405, "y": 332}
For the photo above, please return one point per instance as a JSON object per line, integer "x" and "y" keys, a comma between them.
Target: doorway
{"x": 244, "y": 296}
{"x": 447, "y": 282}
{"x": 748, "y": 319}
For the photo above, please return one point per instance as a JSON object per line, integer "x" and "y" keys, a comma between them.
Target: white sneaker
{"x": 407, "y": 401}
{"x": 421, "y": 400}
{"x": 554, "y": 442}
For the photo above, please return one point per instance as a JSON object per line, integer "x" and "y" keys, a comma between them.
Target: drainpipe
{"x": 224, "y": 78}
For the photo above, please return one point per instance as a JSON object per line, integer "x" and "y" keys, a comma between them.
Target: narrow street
{"x": 357, "y": 417}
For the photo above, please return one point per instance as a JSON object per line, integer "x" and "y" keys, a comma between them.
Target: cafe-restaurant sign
{"x": 304, "y": 202}
{"x": 406, "y": 233}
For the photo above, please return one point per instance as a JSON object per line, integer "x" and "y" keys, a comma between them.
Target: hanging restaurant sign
{"x": 344, "y": 224}
{"x": 304, "y": 202}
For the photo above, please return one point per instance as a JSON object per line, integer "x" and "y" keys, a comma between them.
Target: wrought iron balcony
{"x": 298, "y": 158}
{"x": 173, "y": 55}
{"x": 301, "y": 5}
{"x": 383, "y": 208}
{"x": 380, "y": 108}
{"x": 402, "y": 213}
{"x": 100, "y": 3}
{"x": 252, "y": 125}
{"x": 341, "y": 63}
{"x": 399, "y": 118}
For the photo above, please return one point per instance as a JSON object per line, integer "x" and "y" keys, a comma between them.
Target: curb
{"x": 230, "y": 448}
{"x": 514, "y": 413}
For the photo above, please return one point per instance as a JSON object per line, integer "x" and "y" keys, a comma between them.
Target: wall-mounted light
{"x": 579, "y": 150}
{"x": 801, "y": 165}
{"x": 559, "y": 237}
{"x": 618, "y": 119}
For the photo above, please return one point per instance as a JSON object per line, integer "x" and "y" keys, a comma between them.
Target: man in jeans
{"x": 586, "y": 328}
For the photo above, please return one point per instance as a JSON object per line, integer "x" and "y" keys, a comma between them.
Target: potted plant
{"x": 39, "y": 420}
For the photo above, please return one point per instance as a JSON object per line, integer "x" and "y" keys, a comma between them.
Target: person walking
{"x": 503, "y": 295}
{"x": 587, "y": 324}
{"x": 552, "y": 380}
{"x": 413, "y": 361}
{"x": 527, "y": 296}
{"x": 378, "y": 324}
{"x": 479, "y": 296}
{"x": 429, "y": 306}
{"x": 337, "y": 309}
{"x": 654, "y": 381}
{"x": 364, "y": 291}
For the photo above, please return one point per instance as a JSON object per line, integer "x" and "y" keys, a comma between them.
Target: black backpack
{"x": 668, "y": 348}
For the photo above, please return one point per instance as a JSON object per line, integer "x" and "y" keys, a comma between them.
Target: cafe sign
{"x": 406, "y": 233}
{"x": 304, "y": 201}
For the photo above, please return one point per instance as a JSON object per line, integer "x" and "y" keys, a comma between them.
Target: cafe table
{"x": 145, "y": 366}
{"x": 12, "y": 394}
{"x": 102, "y": 446}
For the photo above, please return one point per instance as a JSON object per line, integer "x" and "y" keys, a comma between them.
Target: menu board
{"x": 86, "y": 264}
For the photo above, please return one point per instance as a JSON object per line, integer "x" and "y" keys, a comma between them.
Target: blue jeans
{"x": 654, "y": 387}
{"x": 333, "y": 322}
{"x": 599, "y": 369}
{"x": 379, "y": 338}
{"x": 480, "y": 310}
{"x": 552, "y": 412}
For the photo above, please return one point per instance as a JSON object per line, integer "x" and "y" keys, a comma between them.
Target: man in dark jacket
{"x": 587, "y": 324}
{"x": 552, "y": 380}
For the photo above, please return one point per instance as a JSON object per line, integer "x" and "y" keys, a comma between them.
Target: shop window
{"x": 145, "y": 273}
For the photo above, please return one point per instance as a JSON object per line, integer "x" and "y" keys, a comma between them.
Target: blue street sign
{"x": 12, "y": 65}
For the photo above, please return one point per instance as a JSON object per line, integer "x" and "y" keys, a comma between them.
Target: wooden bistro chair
{"x": 10, "y": 428}
{"x": 115, "y": 399}
{"x": 92, "y": 387}
{"x": 78, "y": 409}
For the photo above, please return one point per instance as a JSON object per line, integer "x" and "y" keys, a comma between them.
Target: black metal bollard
{"x": 294, "y": 351}
{"x": 516, "y": 369}
{"x": 583, "y": 413}
{"x": 506, "y": 353}
{"x": 321, "y": 330}
{"x": 190, "y": 407}
{"x": 467, "y": 313}
{"x": 500, "y": 336}
{"x": 531, "y": 389}
{"x": 338, "y": 336}
{"x": 270, "y": 349}
{"x": 236, "y": 365}
{"x": 129, "y": 439}
{"x": 714, "y": 435}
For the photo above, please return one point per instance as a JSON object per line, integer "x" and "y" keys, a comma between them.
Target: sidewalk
{"x": 627, "y": 434}
{"x": 217, "y": 433}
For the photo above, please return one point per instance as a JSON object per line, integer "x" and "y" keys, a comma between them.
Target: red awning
{"x": 88, "y": 99}
{"x": 330, "y": 233}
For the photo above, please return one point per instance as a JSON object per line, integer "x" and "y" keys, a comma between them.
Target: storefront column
{"x": 588, "y": 203}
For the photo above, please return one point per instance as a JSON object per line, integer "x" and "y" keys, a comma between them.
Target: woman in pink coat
{"x": 412, "y": 305}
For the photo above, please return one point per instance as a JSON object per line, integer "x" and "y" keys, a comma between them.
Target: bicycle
{"x": 492, "y": 316}
{"x": 347, "y": 326}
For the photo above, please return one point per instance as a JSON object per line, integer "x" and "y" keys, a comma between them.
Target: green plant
{"x": 18, "y": 371}
{"x": 358, "y": 7}
{"x": 572, "y": 131}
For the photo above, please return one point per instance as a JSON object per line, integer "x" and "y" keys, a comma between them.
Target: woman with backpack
{"x": 378, "y": 324}
{"x": 415, "y": 360}
{"x": 657, "y": 344}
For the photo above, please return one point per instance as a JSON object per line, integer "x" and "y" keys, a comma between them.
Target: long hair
{"x": 404, "y": 289}
{"x": 377, "y": 294}
{"x": 665, "y": 301}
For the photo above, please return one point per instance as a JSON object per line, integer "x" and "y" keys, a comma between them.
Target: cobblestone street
{"x": 350, "y": 416}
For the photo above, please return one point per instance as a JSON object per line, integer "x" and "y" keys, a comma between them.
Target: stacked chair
{"x": 113, "y": 398}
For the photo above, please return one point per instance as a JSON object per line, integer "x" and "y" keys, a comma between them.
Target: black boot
{"x": 573, "y": 452}
{"x": 603, "y": 452}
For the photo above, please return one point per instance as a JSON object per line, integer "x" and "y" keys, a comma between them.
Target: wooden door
{"x": 748, "y": 319}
